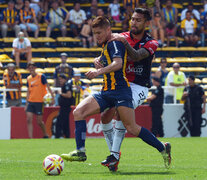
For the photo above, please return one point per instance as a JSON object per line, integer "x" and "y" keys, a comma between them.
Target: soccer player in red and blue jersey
{"x": 141, "y": 47}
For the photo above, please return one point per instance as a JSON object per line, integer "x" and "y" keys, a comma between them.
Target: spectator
{"x": 114, "y": 11}
{"x": 28, "y": 20}
{"x": 77, "y": 86}
{"x": 162, "y": 72}
{"x": 9, "y": 19}
{"x": 132, "y": 3}
{"x": 156, "y": 104}
{"x": 56, "y": 18}
{"x": 203, "y": 23}
{"x": 156, "y": 8}
{"x": 12, "y": 80}
{"x": 194, "y": 13}
{"x": 92, "y": 12}
{"x": 77, "y": 19}
{"x": 194, "y": 97}
{"x": 86, "y": 34}
{"x": 65, "y": 101}
{"x": 189, "y": 27}
{"x": 127, "y": 17}
{"x": 35, "y": 4}
{"x": 170, "y": 17}
{"x": 19, "y": 5}
{"x": 175, "y": 78}
{"x": 22, "y": 49}
{"x": 156, "y": 27}
{"x": 65, "y": 69}
{"x": 37, "y": 89}
{"x": 100, "y": 12}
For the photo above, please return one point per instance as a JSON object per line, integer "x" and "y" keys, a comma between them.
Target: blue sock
{"x": 80, "y": 133}
{"x": 150, "y": 139}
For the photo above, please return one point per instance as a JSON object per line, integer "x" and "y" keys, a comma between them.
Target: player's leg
{"x": 29, "y": 116}
{"x": 144, "y": 134}
{"x": 38, "y": 110}
{"x": 85, "y": 108}
{"x": 107, "y": 126}
{"x": 42, "y": 125}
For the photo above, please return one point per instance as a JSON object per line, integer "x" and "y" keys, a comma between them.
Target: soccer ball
{"x": 48, "y": 99}
{"x": 53, "y": 164}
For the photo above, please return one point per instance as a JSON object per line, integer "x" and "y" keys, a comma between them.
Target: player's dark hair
{"x": 145, "y": 12}
{"x": 31, "y": 64}
{"x": 100, "y": 21}
{"x": 188, "y": 12}
{"x": 192, "y": 77}
{"x": 11, "y": 2}
{"x": 163, "y": 59}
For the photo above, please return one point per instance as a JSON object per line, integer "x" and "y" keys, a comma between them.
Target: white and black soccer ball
{"x": 53, "y": 165}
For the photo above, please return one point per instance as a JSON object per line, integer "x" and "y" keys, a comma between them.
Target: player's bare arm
{"x": 135, "y": 55}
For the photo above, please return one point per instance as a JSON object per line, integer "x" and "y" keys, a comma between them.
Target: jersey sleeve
{"x": 14, "y": 44}
{"x": 28, "y": 43}
{"x": 116, "y": 49}
{"x": 201, "y": 91}
{"x": 5, "y": 79}
{"x": 151, "y": 46}
{"x": 43, "y": 79}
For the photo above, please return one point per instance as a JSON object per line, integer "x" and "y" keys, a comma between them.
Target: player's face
{"x": 138, "y": 23}
{"x": 190, "y": 82}
{"x": 101, "y": 34}
{"x": 64, "y": 59}
{"x": 32, "y": 69}
{"x": 62, "y": 81}
{"x": 10, "y": 71}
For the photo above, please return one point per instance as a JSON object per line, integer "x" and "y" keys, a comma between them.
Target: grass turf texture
{"x": 22, "y": 159}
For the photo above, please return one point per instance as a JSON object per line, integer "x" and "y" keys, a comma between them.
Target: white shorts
{"x": 139, "y": 94}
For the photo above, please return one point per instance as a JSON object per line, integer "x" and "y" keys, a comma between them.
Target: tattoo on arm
{"x": 136, "y": 55}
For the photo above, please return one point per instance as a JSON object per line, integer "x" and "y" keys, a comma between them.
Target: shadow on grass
{"x": 130, "y": 173}
{"x": 144, "y": 173}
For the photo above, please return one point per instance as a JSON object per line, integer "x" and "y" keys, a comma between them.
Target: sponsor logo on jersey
{"x": 137, "y": 70}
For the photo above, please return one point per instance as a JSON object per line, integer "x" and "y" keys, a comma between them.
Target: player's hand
{"x": 117, "y": 37}
{"x": 97, "y": 63}
{"x": 185, "y": 94}
{"x": 92, "y": 74}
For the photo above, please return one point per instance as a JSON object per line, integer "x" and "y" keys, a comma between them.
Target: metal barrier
{"x": 93, "y": 90}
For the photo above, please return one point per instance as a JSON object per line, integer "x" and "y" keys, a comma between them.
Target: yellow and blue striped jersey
{"x": 114, "y": 80}
{"x": 9, "y": 16}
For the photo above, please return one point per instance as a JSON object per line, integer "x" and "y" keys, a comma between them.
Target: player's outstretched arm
{"x": 135, "y": 55}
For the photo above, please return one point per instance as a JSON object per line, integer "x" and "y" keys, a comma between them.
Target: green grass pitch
{"x": 22, "y": 159}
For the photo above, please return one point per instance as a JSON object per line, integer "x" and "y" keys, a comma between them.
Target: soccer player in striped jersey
{"x": 116, "y": 90}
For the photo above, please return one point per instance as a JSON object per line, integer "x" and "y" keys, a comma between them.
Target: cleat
{"x": 111, "y": 162}
{"x": 114, "y": 168}
{"x": 167, "y": 155}
{"x": 75, "y": 156}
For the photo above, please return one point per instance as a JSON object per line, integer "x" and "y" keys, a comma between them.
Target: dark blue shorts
{"x": 115, "y": 98}
{"x": 35, "y": 107}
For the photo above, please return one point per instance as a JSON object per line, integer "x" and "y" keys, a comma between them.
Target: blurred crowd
{"x": 167, "y": 21}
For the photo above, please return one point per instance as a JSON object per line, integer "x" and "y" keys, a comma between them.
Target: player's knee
{"x": 78, "y": 114}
